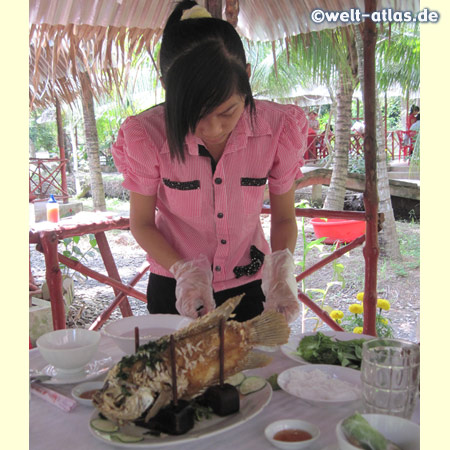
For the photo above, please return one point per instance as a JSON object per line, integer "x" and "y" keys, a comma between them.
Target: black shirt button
{"x": 218, "y": 181}
{"x": 220, "y": 215}
{"x": 218, "y": 268}
{"x": 223, "y": 241}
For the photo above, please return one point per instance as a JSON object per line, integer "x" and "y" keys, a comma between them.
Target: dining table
{"x": 50, "y": 428}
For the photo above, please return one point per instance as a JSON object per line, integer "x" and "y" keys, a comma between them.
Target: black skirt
{"x": 161, "y": 297}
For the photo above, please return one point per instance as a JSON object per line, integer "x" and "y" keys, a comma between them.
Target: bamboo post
{"x": 215, "y": 8}
{"x": 319, "y": 312}
{"x": 79, "y": 267}
{"x": 232, "y": 13}
{"x": 111, "y": 268}
{"x": 335, "y": 255}
{"x": 104, "y": 316}
{"x": 371, "y": 249}
{"x": 49, "y": 242}
{"x": 62, "y": 154}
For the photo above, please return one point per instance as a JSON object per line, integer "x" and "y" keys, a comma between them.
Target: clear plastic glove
{"x": 194, "y": 287}
{"x": 279, "y": 284}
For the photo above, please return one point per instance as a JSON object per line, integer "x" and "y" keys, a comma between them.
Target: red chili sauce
{"x": 88, "y": 394}
{"x": 292, "y": 435}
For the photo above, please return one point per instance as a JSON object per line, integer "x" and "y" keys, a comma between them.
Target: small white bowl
{"x": 151, "y": 327}
{"x": 400, "y": 431}
{"x": 84, "y": 387}
{"x": 68, "y": 350}
{"x": 291, "y": 424}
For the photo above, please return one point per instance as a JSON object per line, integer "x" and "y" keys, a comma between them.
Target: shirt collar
{"x": 245, "y": 128}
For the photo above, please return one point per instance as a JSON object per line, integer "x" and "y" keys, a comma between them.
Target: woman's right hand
{"x": 194, "y": 287}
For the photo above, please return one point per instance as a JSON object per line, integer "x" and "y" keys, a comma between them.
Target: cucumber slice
{"x": 252, "y": 384}
{"x": 121, "y": 437}
{"x": 236, "y": 379}
{"x": 104, "y": 425}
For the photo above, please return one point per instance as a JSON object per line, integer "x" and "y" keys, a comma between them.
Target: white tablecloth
{"x": 53, "y": 429}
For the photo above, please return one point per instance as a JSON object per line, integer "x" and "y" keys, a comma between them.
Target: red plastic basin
{"x": 338, "y": 229}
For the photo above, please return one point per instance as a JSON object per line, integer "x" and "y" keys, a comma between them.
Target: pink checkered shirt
{"x": 215, "y": 214}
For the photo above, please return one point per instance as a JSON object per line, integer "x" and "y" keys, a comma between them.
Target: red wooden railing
{"x": 399, "y": 144}
{"x": 47, "y": 238}
{"x": 47, "y": 176}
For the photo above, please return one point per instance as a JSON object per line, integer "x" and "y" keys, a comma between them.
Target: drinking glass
{"x": 390, "y": 371}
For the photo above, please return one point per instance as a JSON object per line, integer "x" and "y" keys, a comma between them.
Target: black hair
{"x": 414, "y": 108}
{"x": 202, "y": 64}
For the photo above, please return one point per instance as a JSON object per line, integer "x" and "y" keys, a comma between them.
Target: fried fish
{"x": 142, "y": 382}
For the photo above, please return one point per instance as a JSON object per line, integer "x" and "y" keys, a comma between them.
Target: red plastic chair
{"x": 406, "y": 141}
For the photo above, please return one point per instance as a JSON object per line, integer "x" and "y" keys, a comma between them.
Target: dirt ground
{"x": 397, "y": 282}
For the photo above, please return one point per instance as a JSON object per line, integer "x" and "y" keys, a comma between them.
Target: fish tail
{"x": 269, "y": 329}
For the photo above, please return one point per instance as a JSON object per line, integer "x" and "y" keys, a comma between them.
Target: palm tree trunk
{"x": 387, "y": 238}
{"x": 336, "y": 191}
{"x": 73, "y": 142}
{"x": 90, "y": 131}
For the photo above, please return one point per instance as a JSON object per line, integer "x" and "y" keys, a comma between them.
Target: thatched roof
{"x": 100, "y": 37}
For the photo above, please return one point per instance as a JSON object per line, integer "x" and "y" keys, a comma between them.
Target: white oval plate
{"x": 251, "y": 405}
{"x": 350, "y": 376}
{"x": 290, "y": 349}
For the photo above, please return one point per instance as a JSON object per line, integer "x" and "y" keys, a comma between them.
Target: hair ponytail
{"x": 202, "y": 63}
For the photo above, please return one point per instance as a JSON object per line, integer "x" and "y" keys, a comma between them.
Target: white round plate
{"x": 350, "y": 376}
{"x": 98, "y": 366}
{"x": 251, "y": 405}
{"x": 290, "y": 349}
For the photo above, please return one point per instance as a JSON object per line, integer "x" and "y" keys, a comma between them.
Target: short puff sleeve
{"x": 136, "y": 157}
{"x": 292, "y": 145}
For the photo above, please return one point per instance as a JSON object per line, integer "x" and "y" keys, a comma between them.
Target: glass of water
{"x": 390, "y": 372}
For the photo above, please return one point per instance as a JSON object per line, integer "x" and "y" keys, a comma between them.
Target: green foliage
{"x": 356, "y": 164}
{"x": 43, "y": 135}
{"x": 322, "y": 349}
{"x": 318, "y": 295}
{"x": 394, "y": 108}
{"x": 74, "y": 252}
{"x": 398, "y": 57}
{"x": 382, "y": 324}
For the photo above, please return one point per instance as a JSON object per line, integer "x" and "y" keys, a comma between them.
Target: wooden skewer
{"x": 136, "y": 339}
{"x": 173, "y": 365}
{"x": 221, "y": 351}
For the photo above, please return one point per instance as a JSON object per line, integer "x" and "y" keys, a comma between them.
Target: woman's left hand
{"x": 279, "y": 284}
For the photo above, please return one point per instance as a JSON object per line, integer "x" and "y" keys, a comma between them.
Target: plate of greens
{"x": 326, "y": 347}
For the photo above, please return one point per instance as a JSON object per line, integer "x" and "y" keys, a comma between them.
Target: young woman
{"x": 197, "y": 166}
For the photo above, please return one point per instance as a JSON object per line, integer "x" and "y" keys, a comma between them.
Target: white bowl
{"x": 85, "y": 387}
{"x": 291, "y": 424}
{"x": 151, "y": 327}
{"x": 400, "y": 431}
{"x": 68, "y": 350}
